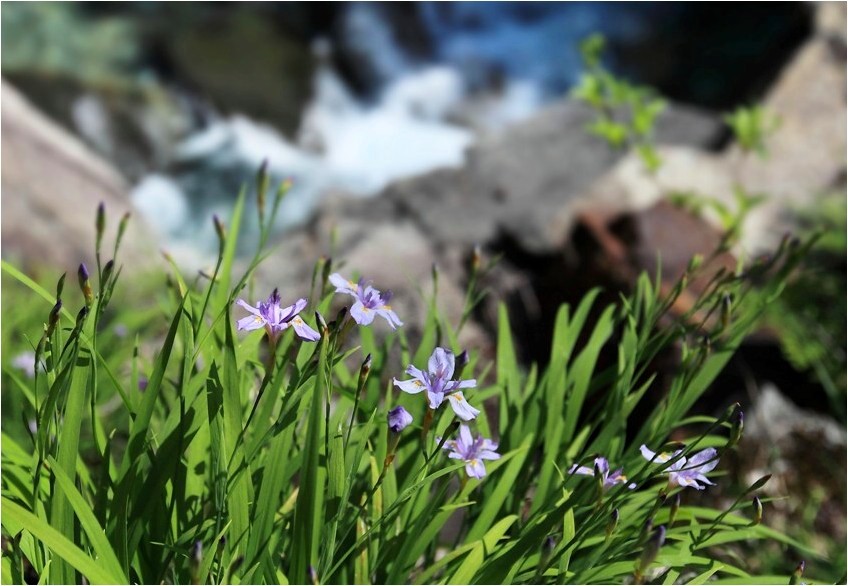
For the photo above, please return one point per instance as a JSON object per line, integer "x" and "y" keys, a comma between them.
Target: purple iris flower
{"x": 610, "y": 478}
{"x": 685, "y": 471}
{"x": 471, "y": 451}
{"x": 369, "y": 301}
{"x": 438, "y": 384}
{"x": 275, "y": 319}
{"x": 399, "y": 418}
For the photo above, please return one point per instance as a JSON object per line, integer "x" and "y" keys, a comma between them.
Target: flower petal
{"x": 703, "y": 461}
{"x": 441, "y": 362}
{"x": 304, "y": 331}
{"x": 488, "y": 455}
{"x": 250, "y": 323}
{"x": 361, "y": 314}
{"x": 475, "y": 469}
{"x": 657, "y": 458}
{"x": 343, "y": 285}
{"x": 412, "y": 387}
{"x": 435, "y": 399}
{"x": 466, "y": 440}
{"x": 390, "y": 317}
{"x": 461, "y": 407}
{"x": 247, "y": 306}
{"x": 584, "y": 470}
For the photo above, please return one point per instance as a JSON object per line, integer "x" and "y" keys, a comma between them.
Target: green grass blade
{"x": 60, "y": 545}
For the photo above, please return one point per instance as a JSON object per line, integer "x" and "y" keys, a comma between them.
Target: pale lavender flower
{"x": 370, "y": 302}
{"x": 610, "y": 479}
{"x": 471, "y": 451}
{"x": 438, "y": 384}
{"x": 25, "y": 361}
{"x": 275, "y": 319}
{"x": 399, "y": 418}
{"x": 685, "y": 471}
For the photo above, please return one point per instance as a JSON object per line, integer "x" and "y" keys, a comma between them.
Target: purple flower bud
{"x": 313, "y": 575}
{"x": 142, "y": 383}
{"x": 197, "y": 552}
{"x": 399, "y": 418}
{"x": 613, "y": 522}
{"x": 652, "y": 548}
{"x": 85, "y": 284}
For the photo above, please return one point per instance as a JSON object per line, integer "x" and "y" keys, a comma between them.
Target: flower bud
{"x": 322, "y": 323}
{"x": 313, "y": 576}
{"x": 60, "y": 286}
{"x": 85, "y": 284}
{"x": 613, "y": 522}
{"x": 652, "y": 548}
{"x": 675, "y": 507}
{"x": 461, "y": 361}
{"x": 364, "y": 370}
{"x": 399, "y": 418}
{"x": 53, "y": 319}
{"x": 726, "y": 310}
{"x": 108, "y": 268}
{"x": 83, "y": 313}
{"x": 737, "y": 423}
{"x": 758, "y": 510}
{"x": 476, "y": 258}
{"x": 798, "y": 573}
{"x": 100, "y": 224}
{"x": 219, "y": 230}
{"x": 261, "y": 188}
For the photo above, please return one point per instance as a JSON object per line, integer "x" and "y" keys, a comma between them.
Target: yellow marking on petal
{"x": 418, "y": 383}
{"x": 387, "y": 306}
{"x": 458, "y": 397}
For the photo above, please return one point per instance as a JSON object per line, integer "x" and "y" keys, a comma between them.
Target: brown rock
{"x": 52, "y": 184}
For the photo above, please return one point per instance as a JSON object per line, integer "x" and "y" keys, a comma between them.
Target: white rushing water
{"x": 422, "y": 117}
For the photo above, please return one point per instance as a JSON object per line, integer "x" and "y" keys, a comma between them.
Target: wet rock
{"x": 515, "y": 181}
{"x": 243, "y": 62}
{"x": 134, "y": 126}
{"x": 52, "y": 184}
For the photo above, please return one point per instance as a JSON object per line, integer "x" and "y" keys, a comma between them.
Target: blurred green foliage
{"x": 625, "y": 114}
{"x": 57, "y": 38}
{"x": 810, "y": 315}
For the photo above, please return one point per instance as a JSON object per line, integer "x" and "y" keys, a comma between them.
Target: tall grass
{"x": 252, "y": 459}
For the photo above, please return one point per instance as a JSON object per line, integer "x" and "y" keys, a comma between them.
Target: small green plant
{"x": 625, "y": 114}
{"x": 265, "y": 443}
{"x": 751, "y": 127}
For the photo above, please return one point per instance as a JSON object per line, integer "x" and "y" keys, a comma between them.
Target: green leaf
{"x": 60, "y": 545}
{"x": 88, "y": 522}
